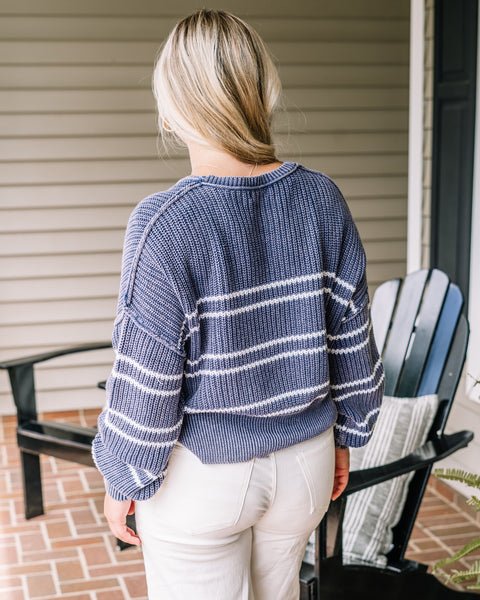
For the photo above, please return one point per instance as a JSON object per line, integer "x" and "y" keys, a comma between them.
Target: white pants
{"x": 235, "y": 531}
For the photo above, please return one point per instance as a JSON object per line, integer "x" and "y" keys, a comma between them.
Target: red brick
{"x": 40, "y": 585}
{"x": 136, "y": 585}
{"x": 51, "y": 555}
{"x": 96, "y": 555}
{"x": 10, "y": 582}
{"x": 455, "y": 530}
{"x": 75, "y": 542}
{"x": 90, "y": 584}
{"x": 13, "y": 595}
{"x": 58, "y": 529}
{"x": 133, "y": 553}
{"x": 32, "y": 542}
{"x": 83, "y": 517}
{"x": 428, "y": 544}
{"x": 69, "y": 569}
{"x": 111, "y": 595}
{"x": 28, "y": 569}
{"x": 8, "y": 555}
{"x": 136, "y": 567}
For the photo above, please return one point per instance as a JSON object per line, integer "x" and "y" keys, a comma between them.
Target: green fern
{"x": 458, "y": 475}
{"x": 472, "y": 546}
{"x": 475, "y": 502}
{"x": 471, "y": 573}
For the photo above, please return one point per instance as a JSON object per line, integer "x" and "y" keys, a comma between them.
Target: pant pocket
{"x": 309, "y": 481}
{"x": 317, "y": 464}
{"x": 199, "y": 498}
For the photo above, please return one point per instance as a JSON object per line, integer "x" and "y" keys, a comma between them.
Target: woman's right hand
{"x": 342, "y": 468}
{"x": 116, "y": 513}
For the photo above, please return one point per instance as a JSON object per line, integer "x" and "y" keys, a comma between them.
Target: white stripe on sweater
{"x": 354, "y": 431}
{"x": 144, "y": 388}
{"x": 144, "y": 370}
{"x": 352, "y": 348}
{"x": 344, "y": 336}
{"x": 133, "y": 423}
{"x": 272, "y": 285}
{"x": 294, "y": 409}
{"x": 256, "y": 363}
{"x": 271, "y": 400}
{"x": 234, "y": 354}
{"x": 357, "y": 382}
{"x": 134, "y": 440}
{"x": 358, "y": 392}
{"x": 277, "y": 300}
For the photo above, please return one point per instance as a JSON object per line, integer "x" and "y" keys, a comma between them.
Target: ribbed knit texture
{"x": 243, "y": 327}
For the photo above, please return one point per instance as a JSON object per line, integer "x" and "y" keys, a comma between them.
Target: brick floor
{"x": 69, "y": 552}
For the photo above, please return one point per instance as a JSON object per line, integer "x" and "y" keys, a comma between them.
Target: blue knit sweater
{"x": 243, "y": 327}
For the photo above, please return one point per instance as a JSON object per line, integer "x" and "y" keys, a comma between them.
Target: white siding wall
{"x": 78, "y": 149}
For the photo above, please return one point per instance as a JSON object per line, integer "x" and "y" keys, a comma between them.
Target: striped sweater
{"x": 243, "y": 327}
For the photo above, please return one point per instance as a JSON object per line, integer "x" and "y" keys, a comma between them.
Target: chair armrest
{"x": 36, "y": 358}
{"x": 430, "y": 452}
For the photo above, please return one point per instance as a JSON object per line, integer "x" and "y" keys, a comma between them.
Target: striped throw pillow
{"x": 402, "y": 426}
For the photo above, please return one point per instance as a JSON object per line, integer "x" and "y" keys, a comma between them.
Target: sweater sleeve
{"x": 141, "y": 421}
{"x": 356, "y": 369}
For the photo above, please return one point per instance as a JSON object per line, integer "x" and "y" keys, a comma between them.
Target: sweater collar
{"x": 247, "y": 182}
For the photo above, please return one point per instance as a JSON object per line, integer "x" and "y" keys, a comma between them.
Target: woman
{"x": 245, "y": 363}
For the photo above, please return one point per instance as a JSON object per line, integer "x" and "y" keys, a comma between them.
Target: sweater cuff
{"x": 113, "y": 493}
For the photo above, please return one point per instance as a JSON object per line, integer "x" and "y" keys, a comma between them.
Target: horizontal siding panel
{"x": 130, "y": 194}
{"x": 252, "y": 8}
{"x": 67, "y": 378}
{"x": 386, "y": 251}
{"x": 378, "y": 272}
{"x": 54, "y": 27}
{"x": 34, "y": 173}
{"x": 353, "y": 145}
{"x": 74, "y": 399}
{"x": 142, "y": 53}
{"x": 83, "y": 359}
{"x": 57, "y": 334}
{"x": 63, "y": 265}
{"x": 382, "y": 229}
{"x": 119, "y": 76}
{"x": 78, "y": 195}
{"x": 389, "y": 208}
{"x": 157, "y": 28}
{"x": 58, "y": 311}
{"x": 380, "y": 187}
{"x": 63, "y": 242}
{"x": 121, "y": 124}
{"x": 70, "y": 219}
{"x": 59, "y": 289}
{"x": 308, "y": 98}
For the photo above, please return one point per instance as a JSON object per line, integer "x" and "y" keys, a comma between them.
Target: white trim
{"x": 473, "y": 355}
{"x": 415, "y": 136}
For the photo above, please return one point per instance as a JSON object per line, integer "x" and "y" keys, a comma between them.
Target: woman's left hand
{"x": 116, "y": 513}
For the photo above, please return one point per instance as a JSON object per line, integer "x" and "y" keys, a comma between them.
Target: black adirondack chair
{"x": 35, "y": 437}
{"x": 422, "y": 335}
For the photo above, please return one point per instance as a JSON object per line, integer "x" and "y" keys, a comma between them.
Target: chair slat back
{"x": 434, "y": 369}
{"x": 422, "y": 335}
{"x": 383, "y": 305}
{"x": 404, "y": 318}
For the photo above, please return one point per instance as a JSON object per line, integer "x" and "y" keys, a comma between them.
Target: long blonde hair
{"x": 215, "y": 83}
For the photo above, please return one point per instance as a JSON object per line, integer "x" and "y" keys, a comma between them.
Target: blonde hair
{"x": 216, "y": 83}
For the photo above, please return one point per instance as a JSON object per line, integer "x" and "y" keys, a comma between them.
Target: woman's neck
{"x": 206, "y": 160}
